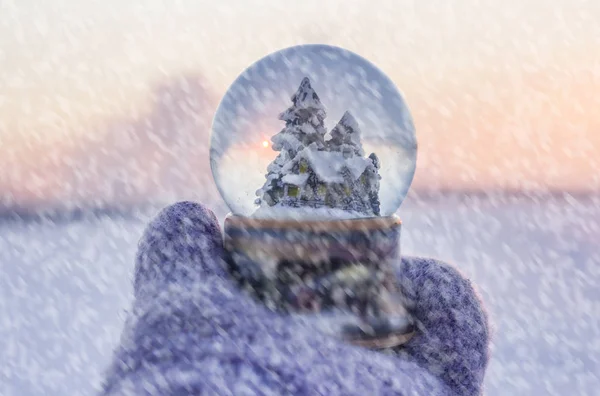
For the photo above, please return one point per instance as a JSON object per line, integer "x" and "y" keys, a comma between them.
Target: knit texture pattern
{"x": 191, "y": 331}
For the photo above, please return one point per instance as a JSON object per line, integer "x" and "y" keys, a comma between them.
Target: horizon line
{"x": 57, "y": 212}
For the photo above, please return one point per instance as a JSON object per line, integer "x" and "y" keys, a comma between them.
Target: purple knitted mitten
{"x": 191, "y": 331}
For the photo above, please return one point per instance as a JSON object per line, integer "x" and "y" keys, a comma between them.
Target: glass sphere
{"x": 316, "y": 129}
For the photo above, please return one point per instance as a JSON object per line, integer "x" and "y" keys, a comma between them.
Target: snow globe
{"x": 312, "y": 230}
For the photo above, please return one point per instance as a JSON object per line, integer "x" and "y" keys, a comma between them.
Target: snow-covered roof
{"x": 298, "y": 180}
{"x": 328, "y": 165}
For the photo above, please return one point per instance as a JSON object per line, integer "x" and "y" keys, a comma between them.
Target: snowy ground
{"x": 65, "y": 286}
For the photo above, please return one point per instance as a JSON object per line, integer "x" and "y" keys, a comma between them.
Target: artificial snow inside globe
{"x": 313, "y": 148}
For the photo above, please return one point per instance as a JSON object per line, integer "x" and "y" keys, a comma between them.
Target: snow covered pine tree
{"x": 315, "y": 173}
{"x": 359, "y": 191}
{"x": 303, "y": 126}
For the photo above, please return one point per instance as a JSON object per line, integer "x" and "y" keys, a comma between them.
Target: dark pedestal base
{"x": 340, "y": 271}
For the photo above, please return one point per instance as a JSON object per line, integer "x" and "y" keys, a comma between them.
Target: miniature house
{"x": 318, "y": 178}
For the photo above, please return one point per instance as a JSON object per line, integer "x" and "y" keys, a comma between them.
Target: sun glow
{"x": 265, "y": 144}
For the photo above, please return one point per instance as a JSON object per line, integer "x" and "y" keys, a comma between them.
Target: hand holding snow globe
{"x": 312, "y": 230}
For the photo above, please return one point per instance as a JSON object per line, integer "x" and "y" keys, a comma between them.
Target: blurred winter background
{"x": 105, "y": 108}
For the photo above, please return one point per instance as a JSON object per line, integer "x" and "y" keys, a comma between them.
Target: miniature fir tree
{"x": 304, "y": 126}
{"x": 345, "y": 136}
{"x": 359, "y": 192}
{"x": 303, "y": 120}
{"x": 310, "y": 172}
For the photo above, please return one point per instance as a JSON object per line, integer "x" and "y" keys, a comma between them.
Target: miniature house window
{"x": 292, "y": 191}
{"x": 303, "y": 167}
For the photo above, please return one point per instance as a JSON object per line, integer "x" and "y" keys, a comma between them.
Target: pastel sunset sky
{"x": 504, "y": 93}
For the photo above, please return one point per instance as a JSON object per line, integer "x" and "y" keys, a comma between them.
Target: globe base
{"x": 339, "y": 273}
